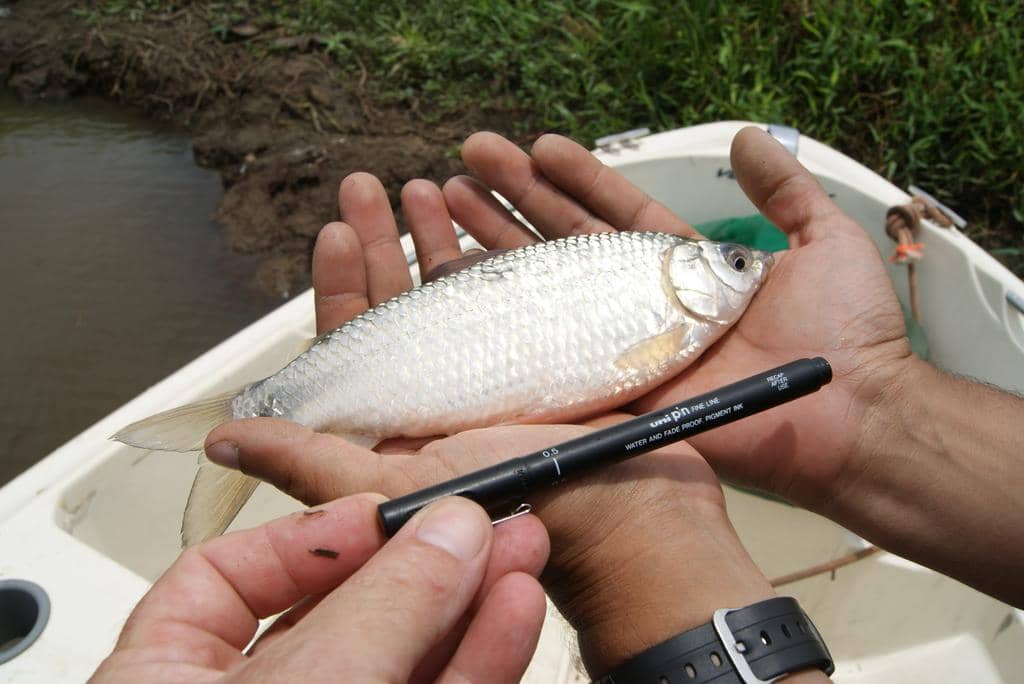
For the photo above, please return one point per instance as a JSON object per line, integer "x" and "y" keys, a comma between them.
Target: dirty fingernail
{"x": 223, "y": 453}
{"x": 456, "y": 527}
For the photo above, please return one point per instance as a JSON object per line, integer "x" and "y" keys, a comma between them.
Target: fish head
{"x": 716, "y": 280}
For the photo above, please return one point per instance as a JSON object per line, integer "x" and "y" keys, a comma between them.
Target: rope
{"x": 903, "y": 224}
{"x": 829, "y": 566}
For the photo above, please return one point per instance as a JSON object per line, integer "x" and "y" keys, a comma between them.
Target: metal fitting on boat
{"x": 623, "y": 139}
{"x": 788, "y": 136}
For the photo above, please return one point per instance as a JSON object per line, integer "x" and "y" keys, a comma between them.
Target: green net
{"x": 753, "y": 231}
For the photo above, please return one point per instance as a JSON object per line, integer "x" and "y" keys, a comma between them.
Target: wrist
{"x": 646, "y": 583}
{"x": 888, "y": 442}
{"x": 939, "y": 460}
{"x": 881, "y": 409}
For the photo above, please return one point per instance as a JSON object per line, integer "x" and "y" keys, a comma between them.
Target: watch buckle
{"x": 732, "y": 650}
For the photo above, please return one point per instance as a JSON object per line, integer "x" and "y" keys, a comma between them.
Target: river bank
{"x": 281, "y": 125}
{"x": 284, "y": 100}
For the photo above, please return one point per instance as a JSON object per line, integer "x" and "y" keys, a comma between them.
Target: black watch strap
{"x": 758, "y": 643}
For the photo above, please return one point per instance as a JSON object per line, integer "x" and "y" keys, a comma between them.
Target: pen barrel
{"x": 511, "y": 481}
{"x": 691, "y": 417}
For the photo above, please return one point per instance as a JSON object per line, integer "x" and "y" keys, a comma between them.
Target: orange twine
{"x": 907, "y": 251}
{"x": 903, "y": 223}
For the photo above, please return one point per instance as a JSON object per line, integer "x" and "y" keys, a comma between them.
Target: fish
{"x": 546, "y": 333}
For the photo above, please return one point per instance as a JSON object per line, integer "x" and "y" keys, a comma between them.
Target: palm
{"x": 828, "y": 295}
{"x": 360, "y": 263}
{"x": 810, "y": 306}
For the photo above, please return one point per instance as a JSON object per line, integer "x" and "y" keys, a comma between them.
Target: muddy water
{"x": 112, "y": 274}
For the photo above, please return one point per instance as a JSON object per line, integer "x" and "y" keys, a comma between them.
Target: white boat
{"x": 95, "y": 522}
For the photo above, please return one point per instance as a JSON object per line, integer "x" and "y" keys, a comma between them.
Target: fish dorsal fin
{"x": 463, "y": 262}
{"x": 649, "y": 354}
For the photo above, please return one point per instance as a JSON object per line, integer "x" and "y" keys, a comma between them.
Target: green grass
{"x": 929, "y": 93}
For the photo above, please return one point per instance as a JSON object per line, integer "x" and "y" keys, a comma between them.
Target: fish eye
{"x": 738, "y": 259}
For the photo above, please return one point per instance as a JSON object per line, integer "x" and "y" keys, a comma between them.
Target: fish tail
{"x": 216, "y": 497}
{"x": 180, "y": 429}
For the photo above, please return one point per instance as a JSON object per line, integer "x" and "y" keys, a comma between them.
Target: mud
{"x": 277, "y": 118}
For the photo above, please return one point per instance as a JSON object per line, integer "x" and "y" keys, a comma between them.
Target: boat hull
{"x": 95, "y": 522}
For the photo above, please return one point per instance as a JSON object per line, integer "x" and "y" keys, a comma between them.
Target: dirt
{"x": 277, "y": 118}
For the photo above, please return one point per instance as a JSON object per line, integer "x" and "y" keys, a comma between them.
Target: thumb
{"x": 385, "y": 618}
{"x": 781, "y": 188}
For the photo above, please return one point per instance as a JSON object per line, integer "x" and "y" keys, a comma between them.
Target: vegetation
{"x": 930, "y": 93}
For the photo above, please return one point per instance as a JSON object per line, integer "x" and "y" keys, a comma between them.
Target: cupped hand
{"x": 655, "y": 524}
{"x": 444, "y": 600}
{"x": 827, "y": 295}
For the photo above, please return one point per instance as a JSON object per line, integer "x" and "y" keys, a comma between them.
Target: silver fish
{"x": 550, "y": 332}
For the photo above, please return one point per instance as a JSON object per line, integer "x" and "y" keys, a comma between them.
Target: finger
{"x": 381, "y": 623}
{"x": 430, "y": 224}
{"x": 364, "y": 206}
{"x": 520, "y": 545}
{"x": 503, "y": 635}
{"x": 601, "y": 189}
{"x": 780, "y": 187}
{"x": 483, "y": 216}
{"x": 311, "y": 466}
{"x": 501, "y": 165}
{"x": 339, "y": 279}
{"x": 209, "y": 602}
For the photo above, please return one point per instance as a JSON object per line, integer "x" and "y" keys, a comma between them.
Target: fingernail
{"x": 223, "y": 453}
{"x": 454, "y": 526}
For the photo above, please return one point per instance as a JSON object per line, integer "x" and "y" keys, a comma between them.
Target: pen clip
{"x": 521, "y": 509}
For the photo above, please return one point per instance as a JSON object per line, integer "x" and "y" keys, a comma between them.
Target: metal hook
{"x": 521, "y": 509}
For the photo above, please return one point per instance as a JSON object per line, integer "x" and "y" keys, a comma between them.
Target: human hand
{"x": 621, "y": 540}
{"x": 889, "y": 438}
{"x": 827, "y": 295}
{"x": 445, "y": 599}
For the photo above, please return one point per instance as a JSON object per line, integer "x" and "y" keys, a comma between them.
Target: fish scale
{"x": 531, "y": 333}
{"x": 550, "y": 332}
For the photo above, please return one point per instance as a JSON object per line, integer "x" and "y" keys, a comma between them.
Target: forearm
{"x": 938, "y": 478}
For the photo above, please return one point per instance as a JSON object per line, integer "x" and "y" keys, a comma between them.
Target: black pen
{"x": 510, "y": 482}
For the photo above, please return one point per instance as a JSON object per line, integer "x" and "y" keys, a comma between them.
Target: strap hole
{"x": 800, "y": 626}
{"x": 716, "y": 659}
{"x": 785, "y": 631}
{"x": 741, "y": 646}
{"x": 690, "y": 671}
{"x": 765, "y": 639}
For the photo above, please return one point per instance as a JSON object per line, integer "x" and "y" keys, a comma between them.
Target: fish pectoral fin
{"x": 357, "y": 438}
{"x": 654, "y": 351}
{"x": 216, "y": 497}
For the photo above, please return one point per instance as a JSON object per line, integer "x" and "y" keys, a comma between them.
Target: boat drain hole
{"x": 24, "y": 610}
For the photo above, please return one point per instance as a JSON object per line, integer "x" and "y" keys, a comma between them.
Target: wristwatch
{"x": 754, "y": 645}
